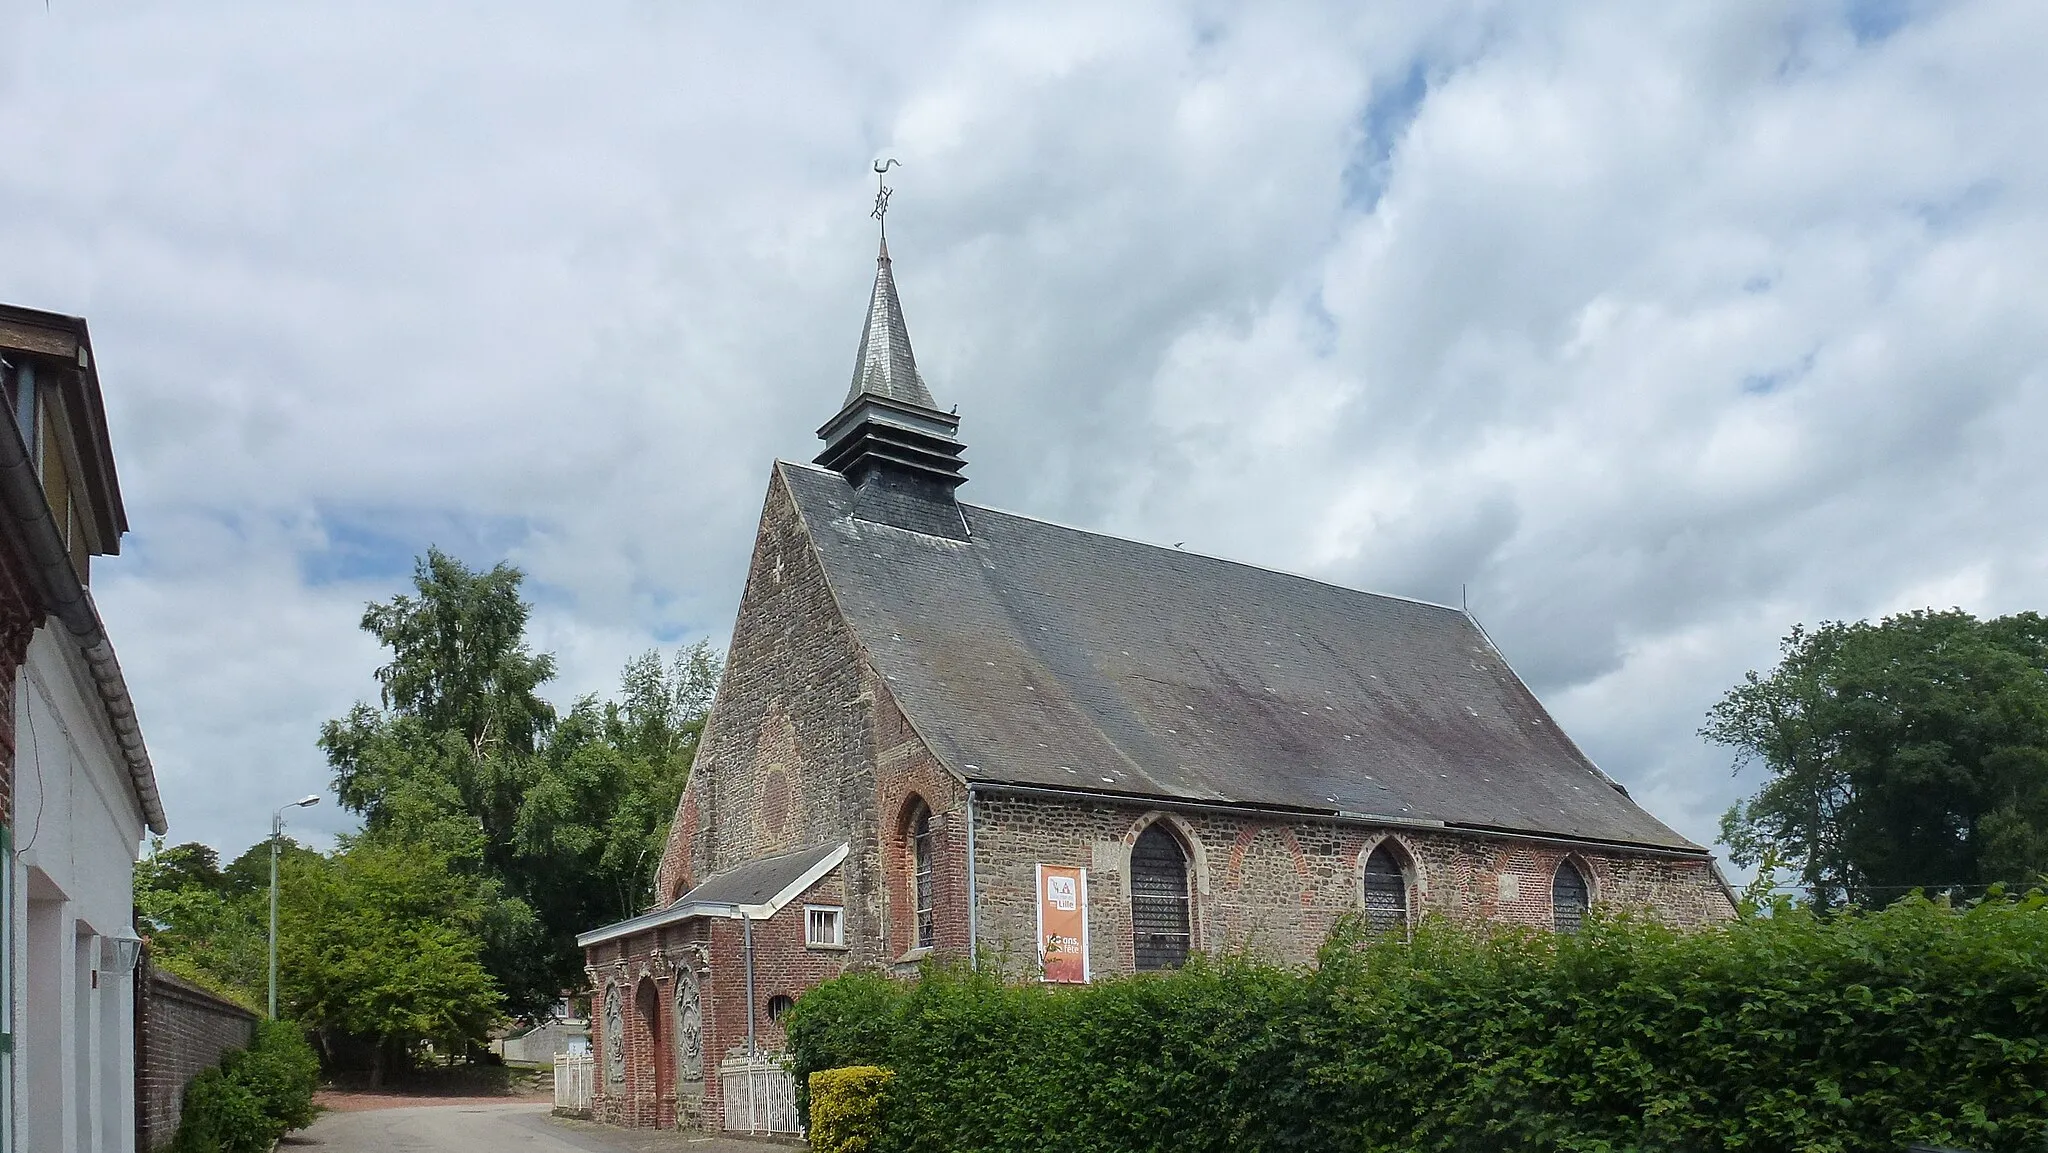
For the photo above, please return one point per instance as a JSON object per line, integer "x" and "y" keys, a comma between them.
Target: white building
{"x": 82, "y": 791}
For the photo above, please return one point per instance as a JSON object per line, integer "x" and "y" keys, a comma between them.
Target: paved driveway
{"x": 522, "y": 1128}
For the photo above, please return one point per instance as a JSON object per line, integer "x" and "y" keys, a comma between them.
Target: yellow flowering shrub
{"x": 846, "y": 1108}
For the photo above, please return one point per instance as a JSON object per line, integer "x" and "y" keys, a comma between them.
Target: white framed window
{"x": 825, "y": 926}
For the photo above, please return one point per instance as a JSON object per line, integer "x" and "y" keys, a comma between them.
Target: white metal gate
{"x": 760, "y": 1096}
{"x": 573, "y": 1075}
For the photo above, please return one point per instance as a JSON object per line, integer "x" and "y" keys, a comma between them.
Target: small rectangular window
{"x": 824, "y": 926}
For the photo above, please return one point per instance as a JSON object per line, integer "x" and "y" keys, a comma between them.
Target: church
{"x": 947, "y": 730}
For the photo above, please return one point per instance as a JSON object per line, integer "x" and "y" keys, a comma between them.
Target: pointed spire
{"x": 902, "y": 456}
{"x": 885, "y": 366}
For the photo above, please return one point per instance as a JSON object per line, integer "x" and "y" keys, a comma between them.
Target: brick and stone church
{"x": 950, "y": 730}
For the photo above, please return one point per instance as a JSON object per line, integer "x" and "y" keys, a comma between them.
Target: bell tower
{"x": 891, "y": 442}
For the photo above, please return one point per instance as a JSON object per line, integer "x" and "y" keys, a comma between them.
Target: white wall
{"x": 77, "y": 830}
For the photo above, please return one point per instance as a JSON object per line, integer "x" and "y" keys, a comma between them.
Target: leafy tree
{"x": 1907, "y": 754}
{"x": 444, "y": 764}
{"x": 595, "y": 821}
{"x": 379, "y": 948}
{"x": 250, "y": 872}
{"x": 200, "y": 928}
{"x": 179, "y": 866}
{"x": 560, "y": 820}
{"x": 461, "y": 715}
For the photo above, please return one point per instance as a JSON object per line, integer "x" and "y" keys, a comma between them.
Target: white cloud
{"x": 1659, "y": 327}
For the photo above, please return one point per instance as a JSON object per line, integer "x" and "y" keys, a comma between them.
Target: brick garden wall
{"x": 181, "y": 1030}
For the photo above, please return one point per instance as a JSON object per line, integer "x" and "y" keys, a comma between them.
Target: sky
{"x": 1647, "y": 330}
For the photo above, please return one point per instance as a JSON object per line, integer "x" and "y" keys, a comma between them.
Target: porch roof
{"x": 755, "y": 890}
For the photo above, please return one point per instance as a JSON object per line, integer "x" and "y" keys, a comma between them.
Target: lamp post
{"x": 277, "y": 842}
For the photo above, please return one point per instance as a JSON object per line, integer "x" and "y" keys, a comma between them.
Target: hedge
{"x": 1796, "y": 1032}
{"x": 253, "y": 1097}
{"x": 846, "y": 1107}
{"x": 221, "y": 1116}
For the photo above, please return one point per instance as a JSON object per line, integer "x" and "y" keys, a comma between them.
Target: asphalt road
{"x": 523, "y": 1128}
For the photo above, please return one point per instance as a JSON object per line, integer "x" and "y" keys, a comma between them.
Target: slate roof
{"x": 754, "y": 882}
{"x": 885, "y": 365}
{"x": 758, "y": 888}
{"x": 1036, "y": 654}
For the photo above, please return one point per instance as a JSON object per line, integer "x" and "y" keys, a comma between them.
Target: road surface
{"x": 476, "y": 1128}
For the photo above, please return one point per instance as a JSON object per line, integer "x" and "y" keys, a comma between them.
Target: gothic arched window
{"x": 1386, "y": 892}
{"x": 1569, "y": 898}
{"x": 921, "y": 876}
{"x": 1159, "y": 900}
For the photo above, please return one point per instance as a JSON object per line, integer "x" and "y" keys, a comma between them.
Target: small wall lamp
{"x": 118, "y": 955}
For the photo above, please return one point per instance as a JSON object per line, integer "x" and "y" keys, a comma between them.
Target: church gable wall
{"x": 785, "y": 760}
{"x": 806, "y": 746}
{"x": 1277, "y": 887}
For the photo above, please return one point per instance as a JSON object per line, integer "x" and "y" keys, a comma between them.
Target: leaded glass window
{"x": 1159, "y": 900}
{"x": 921, "y": 874}
{"x": 1386, "y": 892}
{"x": 1569, "y": 898}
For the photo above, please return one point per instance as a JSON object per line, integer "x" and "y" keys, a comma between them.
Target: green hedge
{"x": 253, "y": 1097}
{"x": 1793, "y": 1032}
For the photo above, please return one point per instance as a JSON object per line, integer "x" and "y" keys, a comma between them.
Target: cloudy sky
{"x": 1656, "y": 328}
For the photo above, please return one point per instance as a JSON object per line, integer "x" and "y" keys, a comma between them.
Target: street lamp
{"x": 277, "y": 842}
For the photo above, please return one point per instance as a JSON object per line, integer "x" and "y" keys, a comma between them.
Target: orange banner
{"x": 1063, "y": 924}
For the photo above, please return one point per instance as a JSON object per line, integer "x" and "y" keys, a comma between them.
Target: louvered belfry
{"x": 890, "y": 440}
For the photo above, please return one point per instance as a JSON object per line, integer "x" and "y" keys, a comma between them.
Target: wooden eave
{"x": 62, "y": 347}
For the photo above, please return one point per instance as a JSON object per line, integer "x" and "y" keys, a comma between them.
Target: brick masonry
{"x": 1277, "y": 887}
{"x": 181, "y": 1030}
{"x": 661, "y": 975}
{"x": 806, "y": 746}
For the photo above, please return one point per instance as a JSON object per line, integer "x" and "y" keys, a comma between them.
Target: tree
{"x": 197, "y": 927}
{"x": 461, "y": 716}
{"x": 381, "y": 945}
{"x": 560, "y": 820}
{"x": 594, "y": 823}
{"x": 249, "y": 873}
{"x": 380, "y": 950}
{"x": 178, "y": 867}
{"x": 444, "y": 764}
{"x": 1907, "y": 754}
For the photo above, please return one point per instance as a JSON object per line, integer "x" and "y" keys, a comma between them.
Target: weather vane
{"x": 881, "y": 212}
